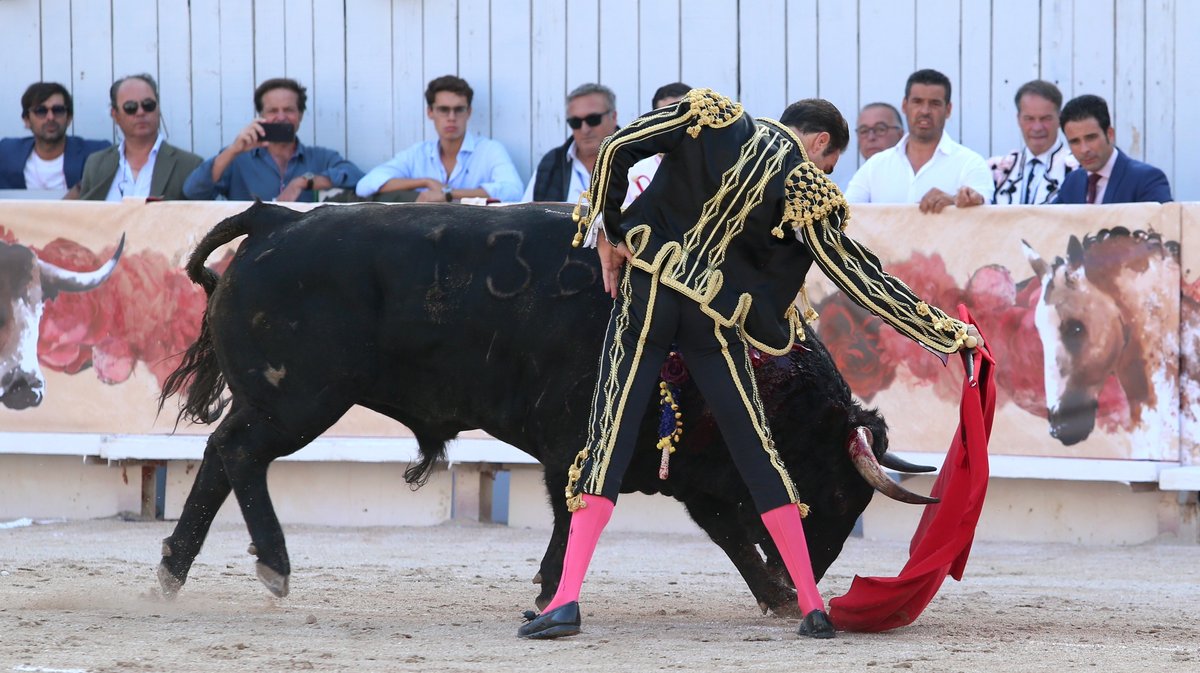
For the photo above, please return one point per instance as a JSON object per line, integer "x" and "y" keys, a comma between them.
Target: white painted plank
{"x": 708, "y": 46}
{"x": 1093, "y": 54}
{"x": 408, "y": 76}
{"x": 175, "y": 72}
{"x": 1128, "y": 105}
{"x": 658, "y": 49}
{"x": 207, "y": 138}
{"x": 91, "y": 28}
{"x": 762, "y": 57}
{"x": 619, "y": 55}
{"x": 511, "y": 45}
{"x": 971, "y": 122}
{"x": 134, "y": 38}
{"x": 237, "y": 78}
{"x": 887, "y": 50}
{"x": 1160, "y": 92}
{"x": 1015, "y": 64}
{"x": 56, "y": 48}
{"x": 441, "y": 45}
{"x": 270, "y": 39}
{"x": 550, "y": 56}
{"x": 298, "y": 53}
{"x": 368, "y": 101}
{"x": 583, "y": 36}
{"x": 1185, "y": 183}
{"x": 837, "y": 79}
{"x": 328, "y": 120}
{"x": 802, "y": 52}
{"x": 944, "y": 31}
{"x": 22, "y": 35}
{"x": 1057, "y": 41}
{"x": 475, "y": 59}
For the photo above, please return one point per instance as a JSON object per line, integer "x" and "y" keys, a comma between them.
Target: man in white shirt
{"x": 926, "y": 166}
{"x": 1034, "y": 173}
{"x": 565, "y": 171}
{"x": 458, "y": 164}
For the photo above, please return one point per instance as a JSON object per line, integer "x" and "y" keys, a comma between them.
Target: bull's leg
{"x": 209, "y": 491}
{"x": 775, "y": 564}
{"x": 715, "y": 517}
{"x": 550, "y": 571}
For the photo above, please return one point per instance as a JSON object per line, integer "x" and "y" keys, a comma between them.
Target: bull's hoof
{"x": 816, "y": 624}
{"x": 276, "y": 583}
{"x": 787, "y": 609}
{"x": 168, "y": 583}
{"x": 542, "y": 601}
{"x": 558, "y": 623}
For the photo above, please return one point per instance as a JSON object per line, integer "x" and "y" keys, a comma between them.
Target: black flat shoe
{"x": 816, "y": 624}
{"x": 557, "y": 623}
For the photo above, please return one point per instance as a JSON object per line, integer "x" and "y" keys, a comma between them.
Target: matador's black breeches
{"x": 647, "y": 318}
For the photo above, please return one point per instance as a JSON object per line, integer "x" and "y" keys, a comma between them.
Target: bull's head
{"x": 26, "y": 282}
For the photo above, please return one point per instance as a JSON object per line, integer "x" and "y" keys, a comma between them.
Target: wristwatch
{"x": 308, "y": 181}
{"x": 449, "y": 195}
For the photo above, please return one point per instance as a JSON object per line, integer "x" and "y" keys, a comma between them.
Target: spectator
{"x": 926, "y": 166}
{"x": 879, "y": 127}
{"x": 49, "y": 159}
{"x": 643, "y": 171}
{"x": 821, "y": 128}
{"x": 458, "y": 164}
{"x": 283, "y": 169}
{"x": 1108, "y": 175}
{"x": 1031, "y": 174}
{"x": 565, "y": 171}
{"x": 143, "y": 163}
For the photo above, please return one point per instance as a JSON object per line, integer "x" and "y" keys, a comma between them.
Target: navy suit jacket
{"x": 14, "y": 152}
{"x": 1131, "y": 182}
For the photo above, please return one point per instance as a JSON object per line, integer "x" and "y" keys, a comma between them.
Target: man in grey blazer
{"x": 143, "y": 164}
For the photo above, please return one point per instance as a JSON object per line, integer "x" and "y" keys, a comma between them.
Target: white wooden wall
{"x": 366, "y": 62}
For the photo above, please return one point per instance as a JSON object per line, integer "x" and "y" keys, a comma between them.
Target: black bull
{"x": 448, "y": 318}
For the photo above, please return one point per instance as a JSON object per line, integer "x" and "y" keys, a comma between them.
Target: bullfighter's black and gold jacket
{"x": 735, "y": 217}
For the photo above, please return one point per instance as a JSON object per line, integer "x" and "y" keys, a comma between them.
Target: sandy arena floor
{"x": 81, "y": 596}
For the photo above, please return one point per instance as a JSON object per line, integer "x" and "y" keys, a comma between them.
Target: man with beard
{"x": 926, "y": 166}
{"x": 48, "y": 160}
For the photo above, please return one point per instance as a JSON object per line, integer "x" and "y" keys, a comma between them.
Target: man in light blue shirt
{"x": 456, "y": 165}
{"x": 272, "y": 167}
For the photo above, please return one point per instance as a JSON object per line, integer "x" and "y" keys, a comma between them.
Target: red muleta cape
{"x": 942, "y": 542}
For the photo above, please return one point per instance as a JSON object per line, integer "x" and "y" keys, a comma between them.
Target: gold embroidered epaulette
{"x": 809, "y": 197}
{"x": 709, "y": 108}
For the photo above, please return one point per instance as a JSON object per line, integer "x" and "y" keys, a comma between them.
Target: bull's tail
{"x": 199, "y": 372}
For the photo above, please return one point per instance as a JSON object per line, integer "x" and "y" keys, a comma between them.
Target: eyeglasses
{"x": 592, "y": 120}
{"x": 41, "y": 111}
{"x": 446, "y": 110}
{"x": 878, "y": 129}
{"x": 131, "y": 106}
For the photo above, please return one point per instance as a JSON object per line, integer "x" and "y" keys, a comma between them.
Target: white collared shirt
{"x": 581, "y": 177}
{"x": 1105, "y": 174}
{"x": 888, "y": 177}
{"x": 124, "y": 183}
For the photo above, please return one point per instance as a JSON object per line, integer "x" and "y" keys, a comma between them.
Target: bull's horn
{"x": 56, "y": 279}
{"x": 859, "y": 448}
{"x": 898, "y": 464}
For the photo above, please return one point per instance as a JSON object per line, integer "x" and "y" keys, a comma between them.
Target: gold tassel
{"x": 804, "y": 510}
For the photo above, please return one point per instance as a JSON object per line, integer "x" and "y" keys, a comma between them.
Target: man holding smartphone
{"x": 267, "y": 161}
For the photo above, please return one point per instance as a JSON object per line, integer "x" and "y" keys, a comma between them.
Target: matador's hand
{"x": 974, "y": 338}
{"x": 611, "y": 261}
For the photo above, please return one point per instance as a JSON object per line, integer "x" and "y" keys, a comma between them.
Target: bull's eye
{"x": 1073, "y": 332}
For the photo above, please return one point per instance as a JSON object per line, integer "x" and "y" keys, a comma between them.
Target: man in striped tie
{"x": 1032, "y": 174}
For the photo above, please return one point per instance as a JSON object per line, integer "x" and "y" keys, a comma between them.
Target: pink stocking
{"x": 586, "y": 526}
{"x": 783, "y": 523}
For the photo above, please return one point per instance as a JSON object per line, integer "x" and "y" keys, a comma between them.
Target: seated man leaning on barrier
{"x": 458, "y": 164}
{"x": 49, "y": 159}
{"x": 267, "y": 161}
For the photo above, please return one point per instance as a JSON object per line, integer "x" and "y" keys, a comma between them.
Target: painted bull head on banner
{"x": 25, "y": 283}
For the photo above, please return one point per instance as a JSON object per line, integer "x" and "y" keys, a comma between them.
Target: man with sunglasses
{"x": 48, "y": 160}
{"x": 143, "y": 164}
{"x": 273, "y": 166}
{"x": 565, "y": 171}
{"x": 456, "y": 165}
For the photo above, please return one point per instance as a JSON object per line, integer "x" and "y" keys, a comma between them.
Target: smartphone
{"x": 281, "y": 132}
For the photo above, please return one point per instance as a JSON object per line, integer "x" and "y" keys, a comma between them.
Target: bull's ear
{"x": 1074, "y": 253}
{"x": 1035, "y": 260}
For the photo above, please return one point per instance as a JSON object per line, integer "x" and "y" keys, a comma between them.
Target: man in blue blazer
{"x": 49, "y": 159}
{"x": 1109, "y": 175}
